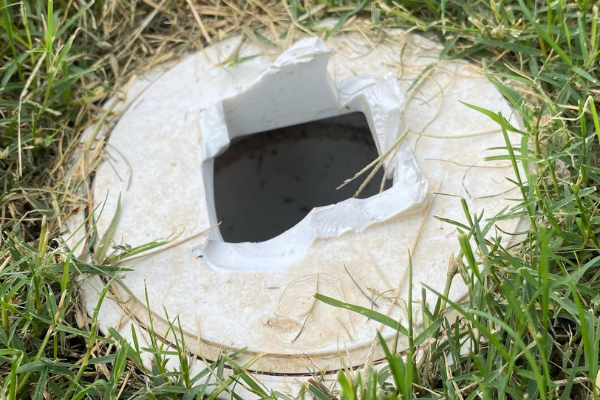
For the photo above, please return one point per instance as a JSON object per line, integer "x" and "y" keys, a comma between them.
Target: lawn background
{"x": 533, "y": 317}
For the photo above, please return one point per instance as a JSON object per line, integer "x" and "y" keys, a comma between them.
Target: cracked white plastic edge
{"x": 297, "y": 88}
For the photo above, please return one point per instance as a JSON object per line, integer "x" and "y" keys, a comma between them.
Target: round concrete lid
{"x": 158, "y": 162}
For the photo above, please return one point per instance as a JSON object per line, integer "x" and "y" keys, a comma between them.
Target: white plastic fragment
{"x": 296, "y": 88}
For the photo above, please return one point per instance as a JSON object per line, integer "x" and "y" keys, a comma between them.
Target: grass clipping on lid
{"x": 531, "y": 326}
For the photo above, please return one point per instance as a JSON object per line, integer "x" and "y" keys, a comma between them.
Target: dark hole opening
{"x": 268, "y": 182}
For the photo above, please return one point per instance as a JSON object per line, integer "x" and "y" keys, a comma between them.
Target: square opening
{"x": 267, "y": 182}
